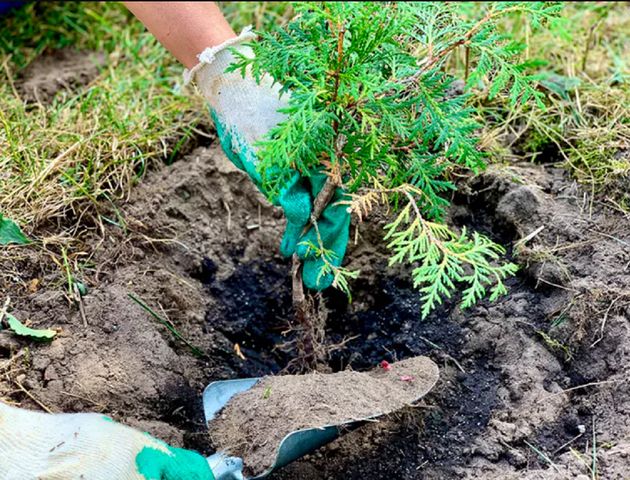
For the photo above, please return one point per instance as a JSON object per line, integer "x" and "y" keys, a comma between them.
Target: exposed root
{"x": 311, "y": 314}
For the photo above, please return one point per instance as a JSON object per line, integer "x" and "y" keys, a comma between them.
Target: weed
{"x": 555, "y": 345}
{"x": 167, "y": 323}
{"x": 543, "y": 456}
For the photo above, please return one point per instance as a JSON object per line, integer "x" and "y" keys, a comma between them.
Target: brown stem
{"x": 300, "y": 310}
{"x": 337, "y": 74}
{"x": 467, "y": 71}
{"x": 323, "y": 199}
{"x": 464, "y": 40}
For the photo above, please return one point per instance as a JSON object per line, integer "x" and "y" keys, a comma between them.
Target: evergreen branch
{"x": 444, "y": 258}
{"x": 372, "y": 104}
{"x": 432, "y": 60}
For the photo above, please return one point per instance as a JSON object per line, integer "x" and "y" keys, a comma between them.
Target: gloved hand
{"x": 244, "y": 112}
{"x": 88, "y": 446}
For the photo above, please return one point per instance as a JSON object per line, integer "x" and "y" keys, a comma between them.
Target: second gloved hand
{"x": 89, "y": 446}
{"x": 244, "y": 112}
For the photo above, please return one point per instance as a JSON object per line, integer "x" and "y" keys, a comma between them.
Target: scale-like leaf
{"x": 375, "y": 103}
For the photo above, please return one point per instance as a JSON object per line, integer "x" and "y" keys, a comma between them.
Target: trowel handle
{"x": 226, "y": 468}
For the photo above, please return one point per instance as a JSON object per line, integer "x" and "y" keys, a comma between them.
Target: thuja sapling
{"x": 370, "y": 107}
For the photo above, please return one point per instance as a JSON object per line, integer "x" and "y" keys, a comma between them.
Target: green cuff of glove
{"x": 178, "y": 464}
{"x": 296, "y": 204}
{"x": 237, "y": 150}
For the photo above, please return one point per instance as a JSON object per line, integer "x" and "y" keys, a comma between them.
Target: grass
{"x": 260, "y": 15}
{"x": 87, "y": 148}
{"x": 168, "y": 324}
{"x": 543, "y": 456}
{"x": 583, "y": 60}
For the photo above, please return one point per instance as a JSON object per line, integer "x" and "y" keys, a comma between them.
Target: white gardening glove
{"x": 244, "y": 111}
{"x": 88, "y": 446}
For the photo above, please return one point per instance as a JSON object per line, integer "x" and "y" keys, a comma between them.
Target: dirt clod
{"x": 254, "y": 423}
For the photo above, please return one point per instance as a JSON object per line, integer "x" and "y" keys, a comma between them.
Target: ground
{"x": 533, "y": 386}
{"x": 199, "y": 250}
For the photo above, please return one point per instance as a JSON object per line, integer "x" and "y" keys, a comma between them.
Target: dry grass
{"x": 583, "y": 58}
{"x": 88, "y": 147}
{"x": 66, "y": 164}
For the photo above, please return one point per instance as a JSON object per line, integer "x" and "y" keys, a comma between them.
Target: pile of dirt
{"x": 253, "y": 423}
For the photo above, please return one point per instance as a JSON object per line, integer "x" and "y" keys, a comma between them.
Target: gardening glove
{"x": 88, "y": 446}
{"x": 244, "y": 112}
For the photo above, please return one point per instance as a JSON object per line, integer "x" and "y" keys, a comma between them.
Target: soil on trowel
{"x": 253, "y": 424}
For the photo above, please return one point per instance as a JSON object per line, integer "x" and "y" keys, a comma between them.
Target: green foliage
{"x": 18, "y": 328}
{"x": 444, "y": 258}
{"x": 341, "y": 275}
{"x": 10, "y": 232}
{"x": 373, "y": 104}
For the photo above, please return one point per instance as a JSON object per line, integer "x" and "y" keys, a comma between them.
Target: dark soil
{"x": 545, "y": 368}
{"x": 253, "y": 424}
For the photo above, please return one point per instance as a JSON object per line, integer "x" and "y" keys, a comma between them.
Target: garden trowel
{"x": 294, "y": 445}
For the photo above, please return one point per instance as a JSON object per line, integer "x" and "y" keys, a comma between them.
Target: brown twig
{"x": 432, "y": 59}
{"x": 31, "y": 396}
{"x": 337, "y": 74}
{"x": 467, "y": 66}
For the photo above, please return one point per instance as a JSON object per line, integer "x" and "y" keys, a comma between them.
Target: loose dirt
{"x": 544, "y": 369}
{"x": 59, "y": 70}
{"x": 253, "y": 424}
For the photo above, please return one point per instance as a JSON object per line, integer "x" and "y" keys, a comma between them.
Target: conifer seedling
{"x": 372, "y": 106}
